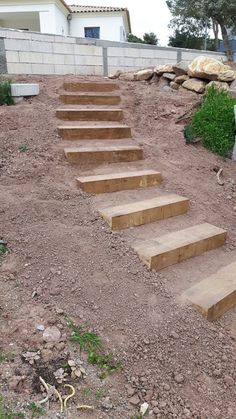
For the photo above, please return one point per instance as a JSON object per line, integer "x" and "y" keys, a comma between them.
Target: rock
{"x": 179, "y": 378}
{"x": 15, "y": 383}
{"x": 165, "y": 68}
{"x": 210, "y": 69}
{"x": 127, "y": 76}
{"x": 40, "y": 327}
{"x": 52, "y": 334}
{"x": 174, "y": 335}
{"x": 116, "y": 75}
{"x": 174, "y": 86}
{"x": 195, "y": 85}
{"x": 144, "y": 74}
{"x": 166, "y": 387}
{"x": 168, "y": 76}
{"x": 134, "y": 400}
{"x": 220, "y": 85}
{"x": 144, "y": 409}
{"x": 233, "y": 89}
{"x": 130, "y": 391}
{"x": 228, "y": 380}
{"x": 181, "y": 68}
{"x": 47, "y": 355}
{"x": 181, "y": 79}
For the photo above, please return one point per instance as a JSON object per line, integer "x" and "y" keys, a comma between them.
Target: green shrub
{"x": 5, "y": 93}
{"x": 214, "y": 122}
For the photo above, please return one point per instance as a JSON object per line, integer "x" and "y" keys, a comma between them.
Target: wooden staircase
{"x": 94, "y": 135}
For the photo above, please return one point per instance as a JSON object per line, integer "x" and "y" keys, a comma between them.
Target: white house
{"x": 56, "y": 17}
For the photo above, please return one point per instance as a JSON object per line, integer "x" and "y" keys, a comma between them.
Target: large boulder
{"x": 127, "y": 76}
{"x": 181, "y": 68}
{"x": 115, "y": 75}
{"x": 181, "y": 79}
{"x": 164, "y": 68}
{"x": 195, "y": 85}
{"x": 220, "y": 85}
{"x": 210, "y": 69}
{"x": 144, "y": 74}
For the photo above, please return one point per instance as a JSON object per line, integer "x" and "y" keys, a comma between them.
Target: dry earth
{"x": 63, "y": 258}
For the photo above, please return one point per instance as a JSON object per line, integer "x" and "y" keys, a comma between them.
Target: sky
{"x": 146, "y": 16}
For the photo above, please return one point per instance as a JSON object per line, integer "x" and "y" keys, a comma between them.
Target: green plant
{"x": 88, "y": 341}
{"x": 3, "y": 247}
{"x": 36, "y": 410}
{"x": 5, "y": 93}
{"x": 4, "y": 356}
{"x": 99, "y": 394}
{"x": 92, "y": 345}
{"x": 214, "y": 122}
{"x": 23, "y": 148}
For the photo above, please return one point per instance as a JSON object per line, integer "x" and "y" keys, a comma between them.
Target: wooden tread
{"x": 90, "y": 114}
{"x": 90, "y": 87}
{"x": 103, "y": 154}
{"x": 90, "y": 99}
{"x": 98, "y": 132}
{"x": 180, "y": 245}
{"x": 216, "y": 294}
{"x": 143, "y": 212}
{"x": 114, "y": 182}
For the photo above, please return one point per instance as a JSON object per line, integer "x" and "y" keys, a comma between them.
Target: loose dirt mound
{"x": 64, "y": 259}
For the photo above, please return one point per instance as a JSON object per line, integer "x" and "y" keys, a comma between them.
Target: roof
{"x": 100, "y": 9}
{"x": 86, "y": 9}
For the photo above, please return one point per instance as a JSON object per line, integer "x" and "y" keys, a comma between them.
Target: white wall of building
{"x": 52, "y": 19}
{"x": 111, "y": 27}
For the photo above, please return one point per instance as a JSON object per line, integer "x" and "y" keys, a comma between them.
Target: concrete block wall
{"x": 23, "y": 52}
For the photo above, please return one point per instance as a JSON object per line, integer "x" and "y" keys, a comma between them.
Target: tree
{"x": 150, "y": 38}
{"x": 188, "y": 32}
{"x": 134, "y": 39}
{"x": 221, "y": 12}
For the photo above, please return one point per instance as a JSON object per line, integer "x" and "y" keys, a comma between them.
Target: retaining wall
{"x": 23, "y": 52}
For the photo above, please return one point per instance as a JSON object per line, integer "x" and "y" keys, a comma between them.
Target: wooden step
{"x": 103, "y": 154}
{"x": 90, "y": 99}
{"x": 90, "y": 87}
{"x": 216, "y": 294}
{"x": 143, "y": 212}
{"x": 91, "y": 132}
{"x": 174, "y": 247}
{"x": 114, "y": 182}
{"x": 90, "y": 114}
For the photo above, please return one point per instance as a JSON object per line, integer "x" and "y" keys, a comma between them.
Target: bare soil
{"x": 63, "y": 259}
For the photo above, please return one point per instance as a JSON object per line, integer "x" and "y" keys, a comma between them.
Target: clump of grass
{"x": 4, "y": 357}
{"x": 23, "y": 148}
{"x": 91, "y": 343}
{"x": 5, "y": 93}
{"x": 3, "y": 247}
{"x": 214, "y": 122}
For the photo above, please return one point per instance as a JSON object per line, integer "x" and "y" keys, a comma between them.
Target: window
{"x": 92, "y": 32}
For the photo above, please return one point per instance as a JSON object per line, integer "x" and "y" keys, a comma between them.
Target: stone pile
{"x": 197, "y": 76}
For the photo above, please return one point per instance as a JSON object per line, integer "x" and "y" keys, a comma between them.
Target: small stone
{"x": 228, "y": 380}
{"x": 179, "y": 378}
{"x": 134, "y": 400}
{"x": 154, "y": 403}
{"x": 144, "y": 408}
{"x": 217, "y": 412}
{"x": 217, "y": 373}
{"x": 174, "y": 335}
{"x": 40, "y": 327}
{"x": 130, "y": 391}
{"x": 59, "y": 311}
{"x": 52, "y": 334}
{"x": 156, "y": 410}
{"x": 166, "y": 387}
{"x": 47, "y": 355}
{"x": 163, "y": 405}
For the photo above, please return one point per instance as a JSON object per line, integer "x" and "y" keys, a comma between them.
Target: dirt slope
{"x": 63, "y": 258}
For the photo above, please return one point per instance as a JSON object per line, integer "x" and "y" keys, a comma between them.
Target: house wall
{"x": 51, "y": 17}
{"x": 23, "y": 52}
{"x": 111, "y": 27}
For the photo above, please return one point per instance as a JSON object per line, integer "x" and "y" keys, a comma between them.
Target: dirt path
{"x": 63, "y": 258}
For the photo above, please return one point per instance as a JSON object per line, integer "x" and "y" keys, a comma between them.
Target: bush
{"x": 214, "y": 122}
{"x": 5, "y": 93}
